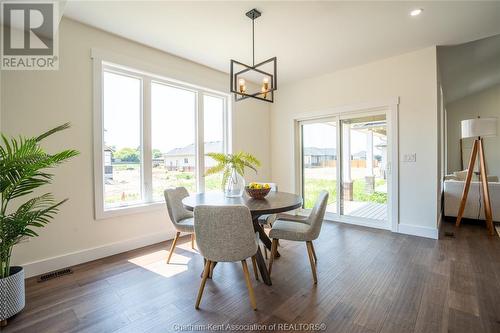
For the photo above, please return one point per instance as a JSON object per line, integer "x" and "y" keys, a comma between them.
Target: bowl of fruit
{"x": 257, "y": 191}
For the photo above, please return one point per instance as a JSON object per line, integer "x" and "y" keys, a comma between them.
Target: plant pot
{"x": 12, "y": 295}
{"x": 235, "y": 185}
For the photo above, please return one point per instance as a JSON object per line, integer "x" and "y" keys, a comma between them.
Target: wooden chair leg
{"x": 274, "y": 248}
{"x": 193, "y": 237}
{"x": 202, "y": 285}
{"x": 314, "y": 253}
{"x": 265, "y": 252}
{"x": 254, "y": 264}
{"x": 172, "y": 248}
{"x": 311, "y": 260}
{"x": 249, "y": 284}
{"x": 211, "y": 273}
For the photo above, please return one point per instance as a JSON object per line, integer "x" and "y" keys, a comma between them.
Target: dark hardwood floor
{"x": 368, "y": 281}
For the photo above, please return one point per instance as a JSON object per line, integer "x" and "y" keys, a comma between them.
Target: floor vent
{"x": 54, "y": 274}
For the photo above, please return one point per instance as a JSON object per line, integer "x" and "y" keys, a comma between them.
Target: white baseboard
{"x": 420, "y": 231}
{"x": 78, "y": 257}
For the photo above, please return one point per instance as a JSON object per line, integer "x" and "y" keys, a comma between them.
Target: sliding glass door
{"x": 364, "y": 157}
{"x": 348, "y": 157}
{"x": 319, "y": 162}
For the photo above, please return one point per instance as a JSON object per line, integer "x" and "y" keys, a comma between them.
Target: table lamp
{"x": 478, "y": 128}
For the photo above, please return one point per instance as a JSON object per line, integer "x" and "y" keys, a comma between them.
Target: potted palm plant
{"x": 23, "y": 169}
{"x": 232, "y": 167}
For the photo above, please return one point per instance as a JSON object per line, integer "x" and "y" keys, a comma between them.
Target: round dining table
{"x": 273, "y": 203}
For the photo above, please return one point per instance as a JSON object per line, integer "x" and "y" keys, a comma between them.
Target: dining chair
{"x": 225, "y": 234}
{"x": 181, "y": 218}
{"x": 267, "y": 220}
{"x": 305, "y": 230}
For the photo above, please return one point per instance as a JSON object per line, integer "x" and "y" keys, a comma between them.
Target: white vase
{"x": 12, "y": 293}
{"x": 235, "y": 185}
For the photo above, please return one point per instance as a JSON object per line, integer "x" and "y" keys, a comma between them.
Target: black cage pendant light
{"x": 261, "y": 75}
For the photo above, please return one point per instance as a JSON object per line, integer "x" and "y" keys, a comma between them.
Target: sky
{"x": 122, "y": 102}
{"x": 172, "y": 113}
{"x": 324, "y": 135}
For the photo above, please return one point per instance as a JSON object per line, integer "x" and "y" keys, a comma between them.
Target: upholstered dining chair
{"x": 305, "y": 230}
{"x": 267, "y": 219}
{"x": 181, "y": 218}
{"x": 225, "y": 234}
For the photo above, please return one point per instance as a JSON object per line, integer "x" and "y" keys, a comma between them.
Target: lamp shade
{"x": 479, "y": 127}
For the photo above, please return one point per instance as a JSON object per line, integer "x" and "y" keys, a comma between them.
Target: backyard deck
{"x": 371, "y": 210}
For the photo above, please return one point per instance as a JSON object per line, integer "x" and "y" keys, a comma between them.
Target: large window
{"x": 173, "y": 138}
{"x": 122, "y": 139}
{"x": 151, "y": 134}
{"x": 213, "y": 132}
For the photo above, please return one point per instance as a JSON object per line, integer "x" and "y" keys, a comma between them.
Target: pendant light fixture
{"x": 245, "y": 78}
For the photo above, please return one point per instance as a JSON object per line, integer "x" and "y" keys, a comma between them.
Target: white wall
{"x": 1, "y": 99}
{"x": 34, "y": 101}
{"x": 484, "y": 104}
{"x": 412, "y": 77}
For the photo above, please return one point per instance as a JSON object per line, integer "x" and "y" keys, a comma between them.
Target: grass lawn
{"x": 314, "y": 186}
{"x": 125, "y": 185}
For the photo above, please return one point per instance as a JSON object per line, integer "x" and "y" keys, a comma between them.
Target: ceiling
{"x": 308, "y": 38}
{"x": 469, "y": 68}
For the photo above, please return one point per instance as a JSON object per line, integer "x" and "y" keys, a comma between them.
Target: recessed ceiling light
{"x": 416, "y": 12}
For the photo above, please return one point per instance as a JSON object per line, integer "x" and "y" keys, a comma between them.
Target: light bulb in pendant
{"x": 265, "y": 86}
{"x": 241, "y": 84}
{"x": 265, "y": 83}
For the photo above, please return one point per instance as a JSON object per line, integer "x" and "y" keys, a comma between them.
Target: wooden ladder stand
{"x": 477, "y": 147}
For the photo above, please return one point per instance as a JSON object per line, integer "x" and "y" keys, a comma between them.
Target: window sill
{"x": 129, "y": 210}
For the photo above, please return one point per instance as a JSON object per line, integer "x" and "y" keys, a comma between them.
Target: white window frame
{"x": 128, "y": 67}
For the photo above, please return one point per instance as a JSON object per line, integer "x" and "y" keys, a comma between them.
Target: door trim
{"x": 391, "y": 108}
